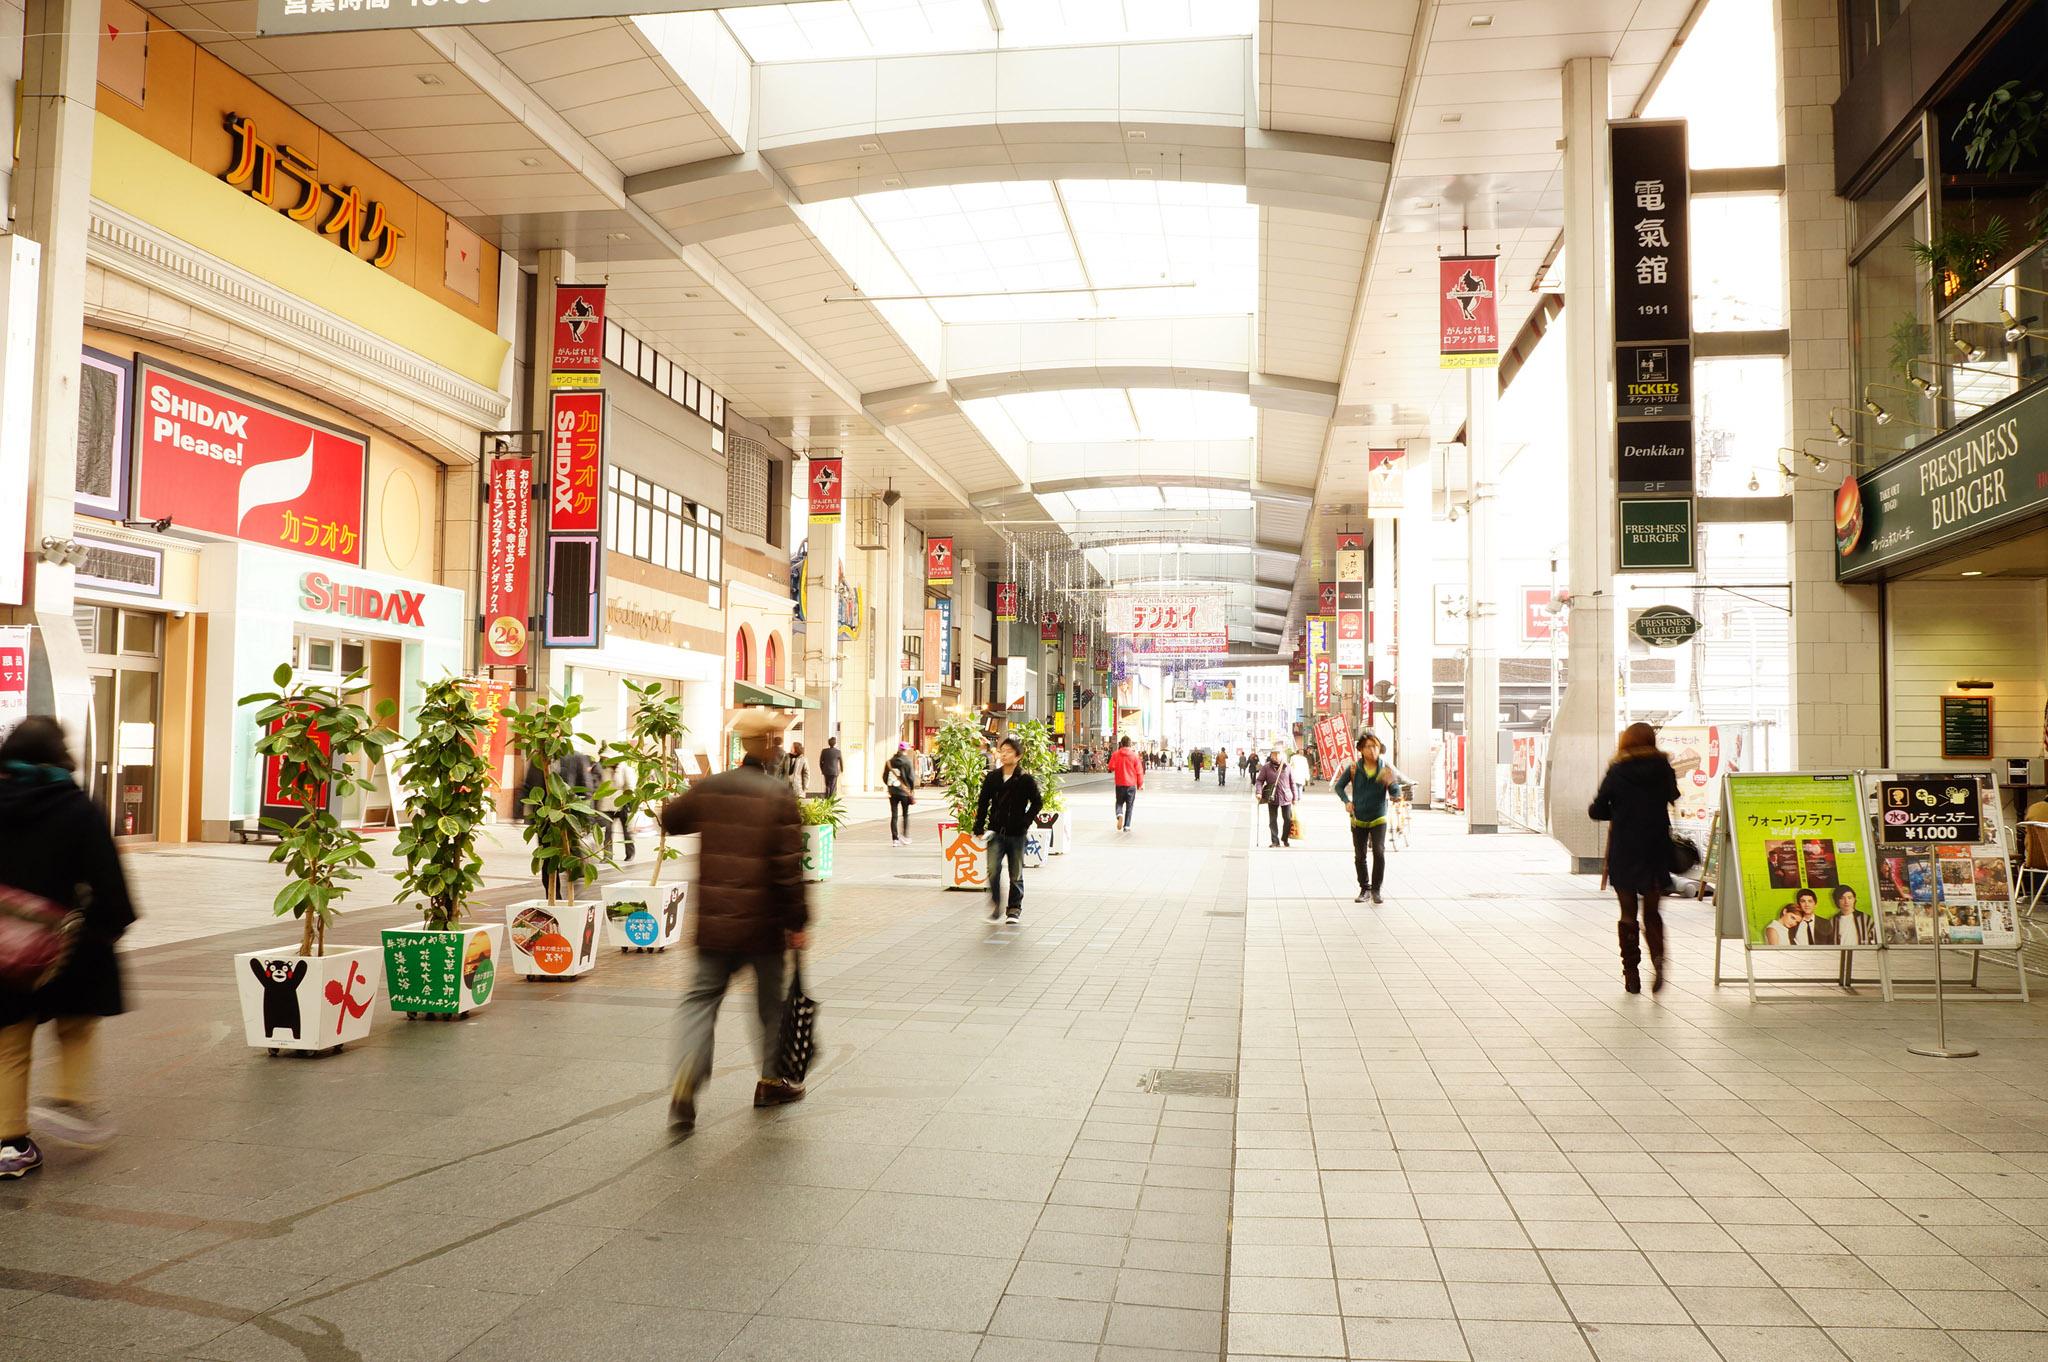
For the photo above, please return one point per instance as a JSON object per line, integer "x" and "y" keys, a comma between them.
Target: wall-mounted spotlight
{"x": 61, "y": 552}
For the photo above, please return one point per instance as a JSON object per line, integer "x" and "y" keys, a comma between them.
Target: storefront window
{"x": 1892, "y": 340}
{"x": 649, "y": 522}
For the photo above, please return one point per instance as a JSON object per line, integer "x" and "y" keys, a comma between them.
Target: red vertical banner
{"x": 575, "y": 461}
{"x": 508, "y": 561}
{"x": 1326, "y": 598}
{"x": 1049, "y": 627}
{"x": 577, "y": 360}
{"x": 1006, "y": 602}
{"x": 13, "y": 677}
{"x": 490, "y": 699}
{"x": 938, "y": 560}
{"x": 1325, "y": 684}
{"x": 1468, "y": 304}
{"x": 828, "y": 490}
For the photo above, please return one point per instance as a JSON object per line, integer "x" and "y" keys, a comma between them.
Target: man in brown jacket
{"x": 749, "y": 908}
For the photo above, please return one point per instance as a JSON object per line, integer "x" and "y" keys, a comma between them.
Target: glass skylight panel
{"x": 1180, "y": 414}
{"x": 1066, "y": 416}
{"x": 1047, "y": 23}
{"x": 1114, "y": 499}
{"x": 826, "y": 29}
{"x": 1205, "y": 499}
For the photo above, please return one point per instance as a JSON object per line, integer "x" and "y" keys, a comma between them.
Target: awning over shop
{"x": 774, "y": 697}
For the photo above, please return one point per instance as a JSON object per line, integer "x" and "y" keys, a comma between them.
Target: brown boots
{"x": 1632, "y": 954}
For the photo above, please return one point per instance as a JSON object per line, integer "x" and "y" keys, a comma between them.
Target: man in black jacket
{"x": 1010, "y": 800}
{"x": 830, "y": 762}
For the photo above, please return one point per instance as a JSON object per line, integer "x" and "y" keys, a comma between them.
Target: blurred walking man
{"x": 750, "y": 905}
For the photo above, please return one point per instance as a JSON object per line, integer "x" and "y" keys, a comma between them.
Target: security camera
{"x": 160, "y": 524}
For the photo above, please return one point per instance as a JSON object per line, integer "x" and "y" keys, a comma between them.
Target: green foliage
{"x": 962, "y": 762}
{"x": 649, "y": 751}
{"x": 1960, "y": 256}
{"x": 1038, "y": 758}
{"x": 448, "y": 795}
{"x": 1908, "y": 343}
{"x": 320, "y": 733}
{"x": 559, "y": 817}
{"x": 2002, "y": 129}
{"x": 822, "y": 811}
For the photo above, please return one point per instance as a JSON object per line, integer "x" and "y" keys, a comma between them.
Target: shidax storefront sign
{"x": 320, "y": 594}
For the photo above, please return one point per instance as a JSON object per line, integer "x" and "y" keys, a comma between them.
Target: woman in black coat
{"x": 56, "y": 845}
{"x": 1635, "y": 799}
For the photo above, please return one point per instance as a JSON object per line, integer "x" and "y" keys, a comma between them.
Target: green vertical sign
{"x": 1656, "y": 535}
{"x": 423, "y": 970}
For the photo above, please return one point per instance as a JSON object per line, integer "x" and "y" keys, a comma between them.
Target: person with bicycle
{"x": 1366, "y": 787}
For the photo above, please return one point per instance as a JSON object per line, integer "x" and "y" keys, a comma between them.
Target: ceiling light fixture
{"x": 1970, "y": 351}
{"x": 529, "y": 160}
{"x": 428, "y": 78}
{"x": 1452, "y": 118}
{"x": 1480, "y": 21}
{"x": 1972, "y": 572}
{"x": 618, "y": 236}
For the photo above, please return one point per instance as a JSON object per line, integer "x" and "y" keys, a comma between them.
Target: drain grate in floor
{"x": 933, "y": 876}
{"x": 1224, "y": 912}
{"x": 1190, "y": 1082}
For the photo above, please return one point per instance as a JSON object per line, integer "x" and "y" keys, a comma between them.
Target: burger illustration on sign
{"x": 1848, "y": 516}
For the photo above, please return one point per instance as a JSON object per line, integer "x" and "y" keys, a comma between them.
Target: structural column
{"x": 1836, "y": 631}
{"x": 1380, "y": 603}
{"x": 1414, "y": 632}
{"x": 1482, "y": 654}
{"x": 1584, "y": 731}
{"x": 52, "y": 202}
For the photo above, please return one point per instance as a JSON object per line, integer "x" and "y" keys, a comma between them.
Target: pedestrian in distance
{"x": 1277, "y": 791}
{"x": 899, "y": 778}
{"x": 749, "y": 906}
{"x": 1634, "y": 800}
{"x": 616, "y": 810}
{"x": 56, "y": 847}
{"x": 831, "y": 762}
{"x": 1128, "y": 774}
{"x": 798, "y": 769}
{"x": 1366, "y": 788}
{"x": 1010, "y": 801}
{"x": 1298, "y": 764}
{"x": 1195, "y": 762}
{"x": 1222, "y": 765}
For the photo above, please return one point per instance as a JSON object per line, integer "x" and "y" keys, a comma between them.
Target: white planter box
{"x": 964, "y": 856}
{"x": 818, "y": 844}
{"x": 554, "y": 941}
{"x": 295, "y": 1002}
{"x": 642, "y": 917}
{"x": 1059, "y": 838}
{"x": 443, "y": 974}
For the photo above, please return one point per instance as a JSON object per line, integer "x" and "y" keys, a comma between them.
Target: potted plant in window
{"x": 1053, "y": 833}
{"x": 313, "y": 736}
{"x": 556, "y": 937}
{"x": 962, "y": 763}
{"x": 823, "y": 816}
{"x": 650, "y": 773}
{"x": 442, "y": 966}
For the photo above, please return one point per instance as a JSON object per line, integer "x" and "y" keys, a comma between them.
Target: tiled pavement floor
{"x": 1455, "y": 1138}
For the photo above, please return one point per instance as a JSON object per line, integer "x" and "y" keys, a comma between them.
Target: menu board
{"x": 1943, "y": 876}
{"x": 1966, "y": 727}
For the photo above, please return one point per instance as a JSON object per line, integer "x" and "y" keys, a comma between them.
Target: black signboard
{"x": 1966, "y": 726}
{"x": 1653, "y": 380}
{"x": 1932, "y": 808}
{"x": 1654, "y": 456}
{"x": 1652, "y": 286}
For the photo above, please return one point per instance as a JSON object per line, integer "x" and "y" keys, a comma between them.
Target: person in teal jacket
{"x": 1366, "y": 787}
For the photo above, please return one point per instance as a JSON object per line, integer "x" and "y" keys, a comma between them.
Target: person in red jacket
{"x": 1129, "y": 774}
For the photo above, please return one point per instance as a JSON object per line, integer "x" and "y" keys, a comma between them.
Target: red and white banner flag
{"x": 1468, "y": 301}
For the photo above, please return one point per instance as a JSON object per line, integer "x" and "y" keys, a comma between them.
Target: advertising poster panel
{"x": 1943, "y": 876}
{"x": 508, "y": 557}
{"x": 1801, "y": 859}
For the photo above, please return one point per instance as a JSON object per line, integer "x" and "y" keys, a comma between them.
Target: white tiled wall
{"x": 1939, "y": 633}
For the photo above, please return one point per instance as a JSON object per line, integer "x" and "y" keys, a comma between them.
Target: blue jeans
{"x": 1001, "y": 851}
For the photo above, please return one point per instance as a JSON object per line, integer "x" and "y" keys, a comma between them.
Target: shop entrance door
{"x": 124, "y": 651}
{"x": 328, "y": 660}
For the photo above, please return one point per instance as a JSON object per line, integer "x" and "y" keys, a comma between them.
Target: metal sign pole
{"x": 1939, "y": 1050}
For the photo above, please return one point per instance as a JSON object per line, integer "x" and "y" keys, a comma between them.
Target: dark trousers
{"x": 624, "y": 819}
{"x": 832, "y": 785}
{"x": 700, "y": 1012}
{"x": 1369, "y": 856}
{"x": 1280, "y": 822}
{"x": 899, "y": 805}
{"x": 1126, "y": 803}
{"x": 1006, "y": 851}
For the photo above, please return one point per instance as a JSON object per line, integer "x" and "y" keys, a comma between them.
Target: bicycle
{"x": 1403, "y": 803}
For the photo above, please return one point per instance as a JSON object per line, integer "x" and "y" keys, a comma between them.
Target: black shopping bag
{"x": 797, "y": 1044}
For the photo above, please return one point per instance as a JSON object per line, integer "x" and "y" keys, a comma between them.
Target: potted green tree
{"x": 444, "y": 966}
{"x": 649, "y": 916}
{"x": 823, "y": 816}
{"x": 554, "y": 936}
{"x": 962, "y": 762}
{"x": 1039, "y": 759}
{"x": 313, "y": 737}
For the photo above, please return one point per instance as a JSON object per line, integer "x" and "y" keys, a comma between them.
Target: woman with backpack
{"x": 57, "y": 856}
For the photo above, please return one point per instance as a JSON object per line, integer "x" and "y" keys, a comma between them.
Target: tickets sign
{"x": 575, "y": 460}
{"x": 508, "y": 561}
{"x": 215, "y": 460}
